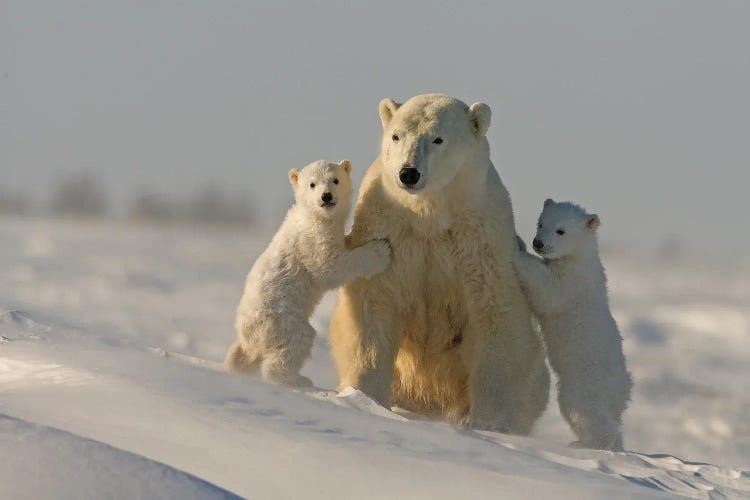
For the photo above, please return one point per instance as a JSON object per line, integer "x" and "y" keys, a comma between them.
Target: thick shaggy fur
{"x": 568, "y": 294}
{"x": 306, "y": 257}
{"x": 446, "y": 329}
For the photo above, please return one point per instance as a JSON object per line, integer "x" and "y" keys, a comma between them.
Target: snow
{"x": 110, "y": 386}
{"x": 48, "y": 463}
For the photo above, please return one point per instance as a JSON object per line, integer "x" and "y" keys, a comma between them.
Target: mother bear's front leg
{"x": 509, "y": 382}
{"x": 365, "y": 338}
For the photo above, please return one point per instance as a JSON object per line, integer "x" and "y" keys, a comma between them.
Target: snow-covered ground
{"x": 111, "y": 334}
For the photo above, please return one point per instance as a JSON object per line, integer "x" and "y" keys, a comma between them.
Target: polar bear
{"x": 568, "y": 294}
{"x": 305, "y": 258}
{"x": 446, "y": 329}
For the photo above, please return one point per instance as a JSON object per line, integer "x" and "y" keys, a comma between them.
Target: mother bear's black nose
{"x": 537, "y": 243}
{"x": 409, "y": 175}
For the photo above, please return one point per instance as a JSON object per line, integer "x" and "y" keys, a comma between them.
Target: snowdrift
{"x": 110, "y": 339}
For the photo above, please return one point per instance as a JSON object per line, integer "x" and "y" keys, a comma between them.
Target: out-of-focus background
{"x": 143, "y": 156}
{"x": 191, "y": 109}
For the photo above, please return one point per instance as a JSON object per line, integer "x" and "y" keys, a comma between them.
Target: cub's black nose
{"x": 409, "y": 176}
{"x": 327, "y": 197}
{"x": 537, "y": 243}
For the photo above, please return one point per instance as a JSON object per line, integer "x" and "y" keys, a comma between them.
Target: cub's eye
{"x": 312, "y": 185}
{"x": 394, "y": 137}
{"x": 560, "y": 232}
{"x": 438, "y": 140}
{"x": 538, "y": 225}
{"x": 335, "y": 181}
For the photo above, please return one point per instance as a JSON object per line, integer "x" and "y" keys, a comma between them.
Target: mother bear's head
{"x": 429, "y": 139}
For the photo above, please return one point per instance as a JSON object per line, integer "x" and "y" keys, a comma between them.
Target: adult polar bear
{"x": 445, "y": 330}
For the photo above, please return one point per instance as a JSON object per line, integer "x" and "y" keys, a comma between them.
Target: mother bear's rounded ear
{"x": 480, "y": 116}
{"x": 347, "y": 166}
{"x": 294, "y": 177}
{"x": 386, "y": 109}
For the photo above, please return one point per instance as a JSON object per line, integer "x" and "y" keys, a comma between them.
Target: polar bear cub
{"x": 305, "y": 258}
{"x": 568, "y": 294}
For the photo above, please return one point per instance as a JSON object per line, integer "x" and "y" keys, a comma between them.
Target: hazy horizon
{"x": 638, "y": 110}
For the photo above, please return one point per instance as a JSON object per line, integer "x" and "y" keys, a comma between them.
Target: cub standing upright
{"x": 568, "y": 294}
{"x": 306, "y": 257}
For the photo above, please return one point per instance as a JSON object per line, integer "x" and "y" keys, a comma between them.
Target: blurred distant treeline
{"x": 82, "y": 194}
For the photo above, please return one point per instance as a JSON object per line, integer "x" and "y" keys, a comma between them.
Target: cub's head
{"x": 323, "y": 188}
{"x": 564, "y": 229}
{"x": 428, "y": 139}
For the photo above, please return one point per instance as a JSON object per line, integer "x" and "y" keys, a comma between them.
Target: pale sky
{"x": 640, "y": 110}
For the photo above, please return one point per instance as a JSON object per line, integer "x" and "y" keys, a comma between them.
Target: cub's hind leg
{"x": 242, "y": 359}
{"x": 593, "y": 423}
{"x": 288, "y": 352}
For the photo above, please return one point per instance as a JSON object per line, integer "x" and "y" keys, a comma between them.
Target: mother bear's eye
{"x": 438, "y": 140}
{"x": 560, "y": 232}
{"x": 312, "y": 185}
{"x": 395, "y": 137}
{"x": 335, "y": 181}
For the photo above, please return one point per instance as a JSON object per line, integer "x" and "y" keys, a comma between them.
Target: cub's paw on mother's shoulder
{"x": 380, "y": 256}
{"x": 521, "y": 245}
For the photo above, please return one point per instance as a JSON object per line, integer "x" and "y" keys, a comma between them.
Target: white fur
{"x": 568, "y": 294}
{"x": 446, "y": 329}
{"x": 306, "y": 257}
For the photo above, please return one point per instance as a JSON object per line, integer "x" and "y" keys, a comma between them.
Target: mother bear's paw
{"x": 500, "y": 425}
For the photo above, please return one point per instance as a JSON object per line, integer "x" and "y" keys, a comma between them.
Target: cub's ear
{"x": 294, "y": 176}
{"x": 593, "y": 222}
{"x": 548, "y": 202}
{"x": 347, "y": 166}
{"x": 386, "y": 109}
{"x": 480, "y": 116}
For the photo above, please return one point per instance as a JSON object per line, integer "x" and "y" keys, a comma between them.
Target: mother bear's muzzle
{"x": 409, "y": 176}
